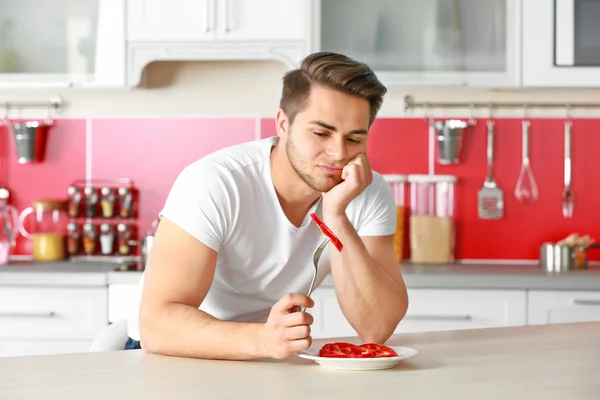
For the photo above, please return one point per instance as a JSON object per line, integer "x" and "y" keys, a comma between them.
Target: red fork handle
{"x": 338, "y": 245}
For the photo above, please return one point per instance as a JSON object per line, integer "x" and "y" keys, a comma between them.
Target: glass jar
{"x": 47, "y": 230}
{"x": 398, "y": 187}
{"x": 432, "y": 209}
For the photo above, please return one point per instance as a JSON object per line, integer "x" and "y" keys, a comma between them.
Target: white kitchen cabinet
{"x": 159, "y": 20}
{"x": 431, "y": 310}
{"x": 50, "y": 319}
{"x": 208, "y": 30}
{"x": 561, "y": 43}
{"x": 269, "y": 20}
{"x": 453, "y": 309}
{"x": 468, "y": 43}
{"x": 555, "y": 307}
{"x": 62, "y": 43}
{"x": 191, "y": 20}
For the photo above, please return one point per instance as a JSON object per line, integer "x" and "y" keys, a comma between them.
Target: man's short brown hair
{"x": 334, "y": 71}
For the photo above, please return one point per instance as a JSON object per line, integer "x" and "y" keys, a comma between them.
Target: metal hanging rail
{"x": 410, "y": 103}
{"x": 54, "y": 103}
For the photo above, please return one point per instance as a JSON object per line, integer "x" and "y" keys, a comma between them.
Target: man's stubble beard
{"x": 300, "y": 169}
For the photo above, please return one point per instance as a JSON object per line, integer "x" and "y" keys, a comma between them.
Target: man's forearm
{"x": 373, "y": 299}
{"x": 184, "y": 331}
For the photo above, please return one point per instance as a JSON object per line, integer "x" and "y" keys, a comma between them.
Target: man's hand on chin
{"x": 356, "y": 176}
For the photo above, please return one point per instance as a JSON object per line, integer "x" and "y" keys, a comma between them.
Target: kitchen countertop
{"x": 468, "y": 276}
{"x": 558, "y": 361}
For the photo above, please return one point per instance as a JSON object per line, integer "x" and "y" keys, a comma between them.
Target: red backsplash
{"x": 153, "y": 151}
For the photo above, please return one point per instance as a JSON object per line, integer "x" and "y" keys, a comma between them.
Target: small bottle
{"x": 126, "y": 206}
{"x": 107, "y": 239}
{"x": 124, "y": 237}
{"x": 91, "y": 207}
{"x": 74, "y": 201}
{"x": 73, "y": 238}
{"x": 108, "y": 202}
{"x": 89, "y": 239}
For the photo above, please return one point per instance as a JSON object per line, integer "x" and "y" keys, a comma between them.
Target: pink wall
{"x": 153, "y": 151}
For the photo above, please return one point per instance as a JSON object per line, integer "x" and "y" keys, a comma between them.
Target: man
{"x": 232, "y": 259}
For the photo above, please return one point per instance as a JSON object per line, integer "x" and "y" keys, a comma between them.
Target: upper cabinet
{"x": 561, "y": 43}
{"x": 62, "y": 43}
{"x": 215, "y": 30}
{"x": 427, "y": 42}
{"x": 159, "y": 20}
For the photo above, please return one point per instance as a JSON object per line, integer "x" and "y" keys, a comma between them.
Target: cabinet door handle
{"x": 227, "y": 23}
{"x": 24, "y": 314}
{"x": 588, "y": 302}
{"x": 421, "y": 317}
{"x": 207, "y": 17}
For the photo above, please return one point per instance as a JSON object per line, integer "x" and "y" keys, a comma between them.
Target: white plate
{"x": 358, "y": 364}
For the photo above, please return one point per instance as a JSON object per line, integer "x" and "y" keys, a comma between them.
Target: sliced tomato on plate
{"x": 349, "y": 350}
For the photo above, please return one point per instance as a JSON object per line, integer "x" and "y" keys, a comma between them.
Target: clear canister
{"x": 398, "y": 187}
{"x": 432, "y": 209}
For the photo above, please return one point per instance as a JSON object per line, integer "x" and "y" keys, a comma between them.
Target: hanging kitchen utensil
{"x": 450, "y": 137}
{"x": 490, "y": 196}
{"x": 526, "y": 190}
{"x": 567, "y": 195}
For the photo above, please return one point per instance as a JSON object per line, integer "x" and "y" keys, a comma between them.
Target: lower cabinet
{"x": 431, "y": 310}
{"x": 59, "y": 320}
{"x": 50, "y": 320}
{"x": 556, "y": 307}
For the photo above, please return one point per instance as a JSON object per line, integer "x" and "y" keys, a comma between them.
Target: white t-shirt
{"x": 227, "y": 201}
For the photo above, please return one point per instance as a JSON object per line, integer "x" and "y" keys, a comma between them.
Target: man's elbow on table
{"x": 149, "y": 324}
{"x": 382, "y": 331}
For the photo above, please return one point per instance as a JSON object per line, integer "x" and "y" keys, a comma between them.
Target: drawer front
{"x": 557, "y": 307}
{"x": 430, "y": 310}
{"x": 52, "y": 313}
{"x": 449, "y": 309}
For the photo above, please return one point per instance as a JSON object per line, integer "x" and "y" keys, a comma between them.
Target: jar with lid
{"x": 108, "y": 202}
{"x": 124, "y": 237}
{"x": 74, "y": 206}
{"x": 125, "y": 202}
{"x": 91, "y": 206}
{"x": 107, "y": 239}
{"x": 90, "y": 237}
{"x": 73, "y": 238}
{"x": 397, "y": 185}
{"x": 46, "y": 229}
{"x": 432, "y": 228}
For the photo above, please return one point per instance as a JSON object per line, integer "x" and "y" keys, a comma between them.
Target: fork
{"x": 316, "y": 258}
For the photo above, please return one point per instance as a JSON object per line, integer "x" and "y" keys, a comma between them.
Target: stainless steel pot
{"x": 560, "y": 257}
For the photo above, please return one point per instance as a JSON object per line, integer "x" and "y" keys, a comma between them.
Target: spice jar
{"x": 108, "y": 202}
{"x": 74, "y": 201}
{"x": 89, "y": 239}
{"x": 126, "y": 203}
{"x": 73, "y": 238}
{"x": 124, "y": 236}
{"x": 91, "y": 207}
{"x": 432, "y": 218}
{"x": 107, "y": 239}
{"x": 397, "y": 185}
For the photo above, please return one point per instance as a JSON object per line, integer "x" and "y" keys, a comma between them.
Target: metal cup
{"x": 30, "y": 140}
{"x": 450, "y": 140}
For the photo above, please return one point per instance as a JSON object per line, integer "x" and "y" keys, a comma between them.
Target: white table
{"x": 536, "y": 362}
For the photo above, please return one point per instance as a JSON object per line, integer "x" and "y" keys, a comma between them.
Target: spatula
{"x": 490, "y": 196}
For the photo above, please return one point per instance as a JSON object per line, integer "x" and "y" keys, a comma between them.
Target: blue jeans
{"x": 132, "y": 344}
